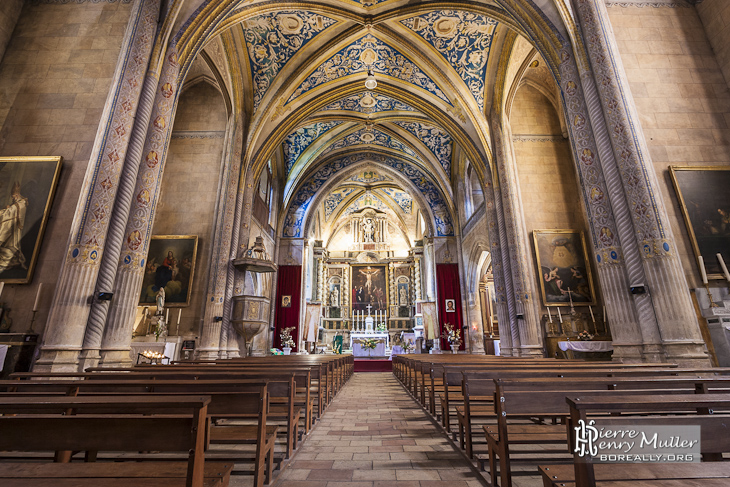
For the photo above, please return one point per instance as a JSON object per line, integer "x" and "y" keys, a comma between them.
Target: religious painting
{"x": 705, "y": 201}
{"x": 565, "y": 275}
{"x": 402, "y": 288}
{"x": 450, "y": 305}
{"x": 369, "y": 288}
{"x": 286, "y": 301}
{"x": 170, "y": 265}
{"x": 27, "y": 187}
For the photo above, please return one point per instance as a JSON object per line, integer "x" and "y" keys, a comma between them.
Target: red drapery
{"x": 289, "y": 283}
{"x": 447, "y": 282}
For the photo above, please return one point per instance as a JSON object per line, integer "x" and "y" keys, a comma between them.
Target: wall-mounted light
{"x": 217, "y": 318}
{"x": 370, "y": 82}
{"x": 104, "y": 296}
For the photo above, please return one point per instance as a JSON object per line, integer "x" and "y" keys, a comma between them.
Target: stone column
{"x": 518, "y": 248}
{"x": 669, "y": 304}
{"x": 137, "y": 233}
{"x": 69, "y": 311}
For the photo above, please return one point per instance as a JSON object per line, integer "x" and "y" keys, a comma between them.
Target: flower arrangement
{"x": 452, "y": 334}
{"x": 408, "y": 346}
{"x": 286, "y": 339}
{"x": 585, "y": 336}
{"x": 369, "y": 343}
{"x": 381, "y": 327}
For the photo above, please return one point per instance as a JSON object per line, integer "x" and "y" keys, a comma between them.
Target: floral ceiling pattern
{"x": 369, "y": 102}
{"x": 464, "y": 39}
{"x": 369, "y": 51}
{"x": 373, "y": 137}
{"x": 273, "y": 38}
{"x": 298, "y": 141}
{"x": 334, "y": 199}
{"x": 402, "y": 198}
{"x": 438, "y": 141}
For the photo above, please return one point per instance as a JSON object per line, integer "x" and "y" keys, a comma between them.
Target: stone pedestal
{"x": 718, "y": 321}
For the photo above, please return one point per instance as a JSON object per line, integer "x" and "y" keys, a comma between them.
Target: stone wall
{"x": 54, "y": 79}
{"x": 9, "y": 13}
{"x": 715, "y": 16}
{"x": 681, "y": 97}
{"x": 190, "y": 186}
{"x": 545, "y": 169}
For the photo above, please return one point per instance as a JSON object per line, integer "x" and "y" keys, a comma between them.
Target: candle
{"x": 604, "y": 313}
{"x": 703, "y": 272}
{"x": 2, "y": 286}
{"x": 37, "y": 297}
{"x": 570, "y": 296}
{"x": 719, "y": 257}
{"x": 560, "y": 316}
{"x": 179, "y": 312}
{"x": 590, "y": 308}
{"x": 167, "y": 315}
{"x": 550, "y": 317}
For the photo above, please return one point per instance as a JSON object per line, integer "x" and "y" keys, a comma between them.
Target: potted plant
{"x": 287, "y": 343}
{"x": 453, "y": 336}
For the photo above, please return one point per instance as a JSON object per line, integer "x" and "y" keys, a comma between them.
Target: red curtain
{"x": 289, "y": 283}
{"x": 448, "y": 287}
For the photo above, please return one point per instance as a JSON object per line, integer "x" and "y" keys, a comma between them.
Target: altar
{"x": 378, "y": 351}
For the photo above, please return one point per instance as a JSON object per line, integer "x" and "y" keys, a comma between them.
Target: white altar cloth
{"x": 167, "y": 348}
{"x": 3, "y": 354}
{"x": 378, "y": 351}
{"x": 356, "y": 336}
{"x": 587, "y": 346}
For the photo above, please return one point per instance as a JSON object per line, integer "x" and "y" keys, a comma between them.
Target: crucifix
{"x": 368, "y": 307}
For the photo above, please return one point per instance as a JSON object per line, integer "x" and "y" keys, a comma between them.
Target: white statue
{"x": 368, "y": 230}
{"x": 403, "y": 296}
{"x": 160, "y": 298}
{"x": 335, "y": 298}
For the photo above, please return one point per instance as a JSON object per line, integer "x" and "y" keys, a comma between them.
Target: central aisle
{"x": 374, "y": 435}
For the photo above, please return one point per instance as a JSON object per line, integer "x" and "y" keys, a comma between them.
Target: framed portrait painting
{"x": 705, "y": 202}
{"x": 369, "y": 288}
{"x": 27, "y": 187}
{"x": 170, "y": 264}
{"x": 450, "y": 305}
{"x": 565, "y": 275}
{"x": 286, "y": 301}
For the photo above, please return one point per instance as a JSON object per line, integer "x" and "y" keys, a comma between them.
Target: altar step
{"x": 365, "y": 364}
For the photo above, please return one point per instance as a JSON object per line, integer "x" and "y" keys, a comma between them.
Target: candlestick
{"x": 592, "y": 317}
{"x": 179, "y": 312}
{"x": 167, "y": 315}
{"x": 37, "y": 297}
{"x": 550, "y": 317}
{"x": 719, "y": 257}
{"x": 703, "y": 272}
{"x": 560, "y": 316}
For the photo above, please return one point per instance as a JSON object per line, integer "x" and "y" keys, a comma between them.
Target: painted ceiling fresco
{"x": 369, "y": 102}
{"x": 298, "y": 141}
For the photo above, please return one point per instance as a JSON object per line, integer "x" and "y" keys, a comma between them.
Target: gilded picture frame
{"x": 171, "y": 263}
{"x": 563, "y": 268}
{"x": 27, "y": 188}
{"x": 376, "y": 294}
{"x": 704, "y": 199}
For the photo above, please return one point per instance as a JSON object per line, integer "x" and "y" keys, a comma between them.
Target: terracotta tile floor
{"x": 375, "y": 435}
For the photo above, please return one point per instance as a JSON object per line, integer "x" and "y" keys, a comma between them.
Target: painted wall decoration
{"x": 367, "y": 200}
{"x": 369, "y": 51}
{"x": 334, "y": 199}
{"x": 170, "y": 264}
{"x": 402, "y": 198}
{"x": 305, "y": 193}
{"x": 27, "y": 187}
{"x": 369, "y": 102}
{"x": 373, "y": 137}
{"x": 273, "y": 38}
{"x": 299, "y": 140}
{"x": 369, "y": 177}
{"x": 438, "y": 141}
{"x": 463, "y": 38}
{"x": 564, "y": 270}
{"x": 705, "y": 201}
{"x": 369, "y": 287}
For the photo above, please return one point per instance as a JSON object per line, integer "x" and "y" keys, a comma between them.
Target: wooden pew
{"x": 710, "y": 411}
{"x": 108, "y": 424}
{"x": 229, "y": 400}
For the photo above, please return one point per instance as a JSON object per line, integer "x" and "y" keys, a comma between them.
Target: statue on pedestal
{"x": 160, "y": 299}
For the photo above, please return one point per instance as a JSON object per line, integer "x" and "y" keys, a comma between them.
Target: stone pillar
{"x": 668, "y": 304}
{"x": 518, "y": 247}
{"x": 137, "y": 233}
{"x": 69, "y": 311}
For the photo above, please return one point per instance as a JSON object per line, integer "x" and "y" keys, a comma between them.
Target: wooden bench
{"x": 102, "y": 423}
{"x": 710, "y": 411}
{"x": 235, "y": 400}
